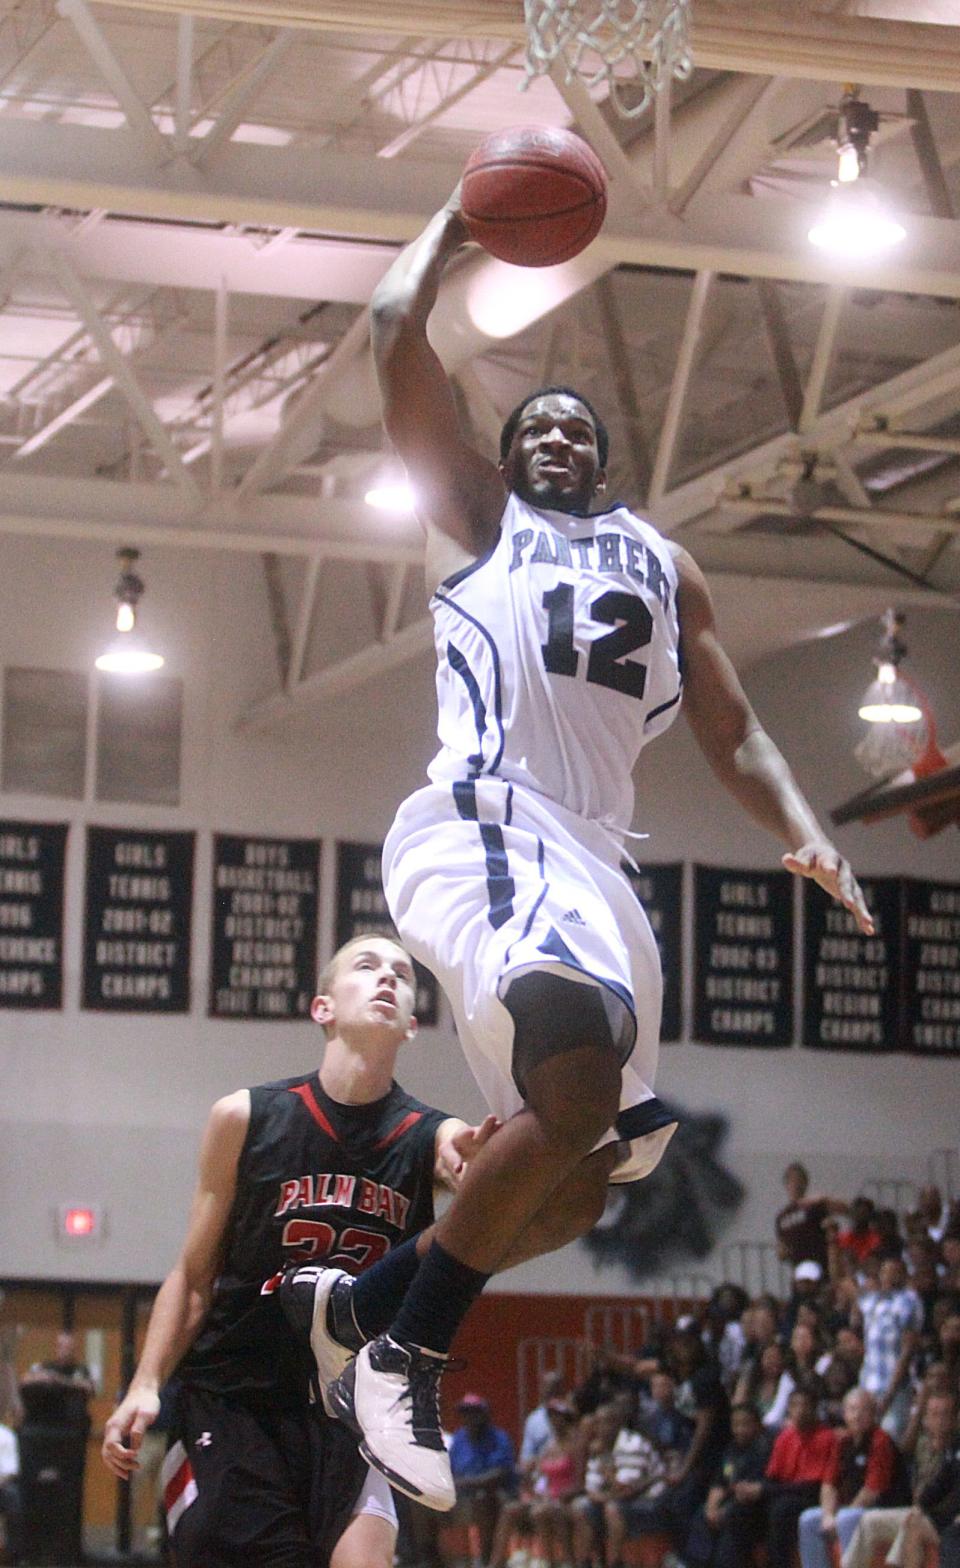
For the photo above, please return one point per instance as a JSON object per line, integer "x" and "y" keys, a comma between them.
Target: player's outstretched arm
{"x": 458, "y": 491}
{"x": 184, "y": 1296}
{"x": 742, "y": 754}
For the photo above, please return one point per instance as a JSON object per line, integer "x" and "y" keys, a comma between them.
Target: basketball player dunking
{"x": 337, "y": 1165}
{"x": 568, "y": 633}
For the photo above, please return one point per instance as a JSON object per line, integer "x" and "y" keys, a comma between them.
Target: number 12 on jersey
{"x": 607, "y": 664}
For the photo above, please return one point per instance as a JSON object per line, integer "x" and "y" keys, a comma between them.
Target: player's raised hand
{"x": 825, "y": 865}
{"x": 123, "y": 1433}
{"x": 458, "y": 1149}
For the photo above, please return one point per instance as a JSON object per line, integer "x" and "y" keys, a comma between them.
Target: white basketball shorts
{"x": 486, "y": 881}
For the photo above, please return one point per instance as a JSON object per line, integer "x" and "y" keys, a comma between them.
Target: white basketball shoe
{"x": 389, "y": 1396}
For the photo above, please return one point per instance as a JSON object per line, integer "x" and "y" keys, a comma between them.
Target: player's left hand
{"x": 825, "y": 865}
{"x": 456, "y": 1151}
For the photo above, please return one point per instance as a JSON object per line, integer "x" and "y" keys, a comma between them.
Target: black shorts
{"x": 249, "y": 1483}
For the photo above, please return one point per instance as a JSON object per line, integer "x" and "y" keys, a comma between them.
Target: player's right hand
{"x": 124, "y": 1431}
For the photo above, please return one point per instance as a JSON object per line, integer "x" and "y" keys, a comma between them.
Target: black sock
{"x": 437, "y": 1302}
{"x": 378, "y": 1294}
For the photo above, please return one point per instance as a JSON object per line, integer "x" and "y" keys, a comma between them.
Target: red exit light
{"x": 79, "y": 1222}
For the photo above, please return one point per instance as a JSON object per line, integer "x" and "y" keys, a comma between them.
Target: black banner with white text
{"x": 931, "y": 969}
{"x": 852, "y": 982}
{"x": 31, "y": 913}
{"x": 743, "y": 957}
{"x": 139, "y": 902}
{"x": 263, "y": 960}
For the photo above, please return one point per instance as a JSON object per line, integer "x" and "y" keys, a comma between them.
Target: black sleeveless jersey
{"x": 317, "y": 1182}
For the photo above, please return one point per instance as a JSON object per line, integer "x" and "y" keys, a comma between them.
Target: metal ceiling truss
{"x": 739, "y": 487}
{"x": 441, "y": 82}
{"x": 814, "y": 44}
{"x": 687, "y": 170}
{"x": 146, "y": 323}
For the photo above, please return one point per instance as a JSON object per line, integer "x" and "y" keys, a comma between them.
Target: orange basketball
{"x": 534, "y": 195}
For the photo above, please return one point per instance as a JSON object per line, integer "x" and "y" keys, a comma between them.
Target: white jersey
{"x": 558, "y": 657}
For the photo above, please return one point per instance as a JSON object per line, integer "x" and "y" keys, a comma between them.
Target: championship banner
{"x": 931, "y": 971}
{"x": 851, "y": 993}
{"x": 136, "y": 941}
{"x": 660, "y": 891}
{"x": 743, "y": 957}
{"x": 361, "y": 906}
{"x": 31, "y": 913}
{"x": 263, "y": 960}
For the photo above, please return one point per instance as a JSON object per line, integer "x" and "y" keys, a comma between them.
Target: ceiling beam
{"x": 119, "y": 367}
{"x": 163, "y": 256}
{"x": 35, "y": 503}
{"x": 882, "y": 520}
{"x": 925, "y": 146}
{"x": 823, "y": 353}
{"x": 781, "y": 349}
{"x": 184, "y": 86}
{"x": 231, "y": 541}
{"x": 78, "y": 13}
{"x": 297, "y": 436}
{"x": 769, "y": 39}
{"x": 679, "y": 386}
{"x": 81, "y": 168}
{"x": 242, "y": 94}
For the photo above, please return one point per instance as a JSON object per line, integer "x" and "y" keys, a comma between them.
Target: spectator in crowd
{"x": 602, "y": 1430}
{"x": 939, "y": 1507}
{"x": 865, "y": 1472}
{"x": 761, "y": 1326}
{"x": 553, "y": 1481}
{"x": 923, "y": 1264}
{"x": 768, "y": 1386}
{"x": 950, "y": 1248}
{"x": 668, "y": 1429}
{"x": 931, "y": 1211}
{"x": 10, "y": 1511}
{"x": 636, "y": 1480}
{"x": 611, "y": 1373}
{"x": 888, "y": 1227}
{"x": 892, "y": 1319}
{"x": 701, "y": 1397}
{"x": 536, "y": 1428}
{"x": 802, "y": 1459}
{"x": 806, "y": 1348}
{"x": 56, "y": 1397}
{"x": 848, "y": 1348}
{"x": 482, "y": 1461}
{"x": 835, "y": 1385}
{"x": 887, "y": 1529}
{"x": 807, "y": 1285}
{"x": 948, "y": 1342}
{"x": 723, "y": 1332}
{"x": 800, "y": 1224}
{"x": 861, "y": 1238}
{"x": 730, "y": 1523}
{"x": 69, "y": 1381}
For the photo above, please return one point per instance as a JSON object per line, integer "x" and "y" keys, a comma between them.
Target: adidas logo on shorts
{"x": 573, "y": 917}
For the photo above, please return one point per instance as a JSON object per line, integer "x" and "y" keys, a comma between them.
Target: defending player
{"x": 567, "y": 634}
{"x": 336, "y": 1165}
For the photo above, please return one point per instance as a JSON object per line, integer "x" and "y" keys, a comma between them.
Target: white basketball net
{"x": 593, "y": 37}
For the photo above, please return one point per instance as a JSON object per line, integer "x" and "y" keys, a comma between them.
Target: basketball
{"x": 534, "y": 195}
